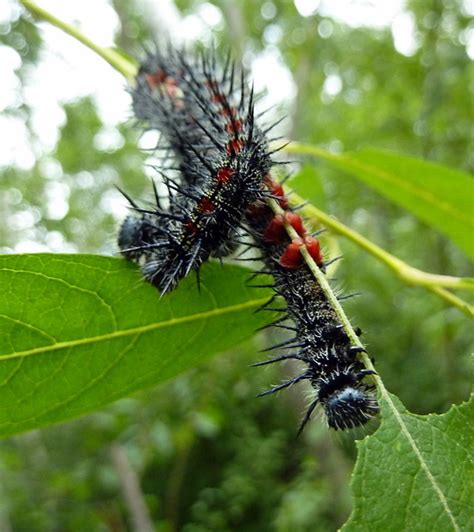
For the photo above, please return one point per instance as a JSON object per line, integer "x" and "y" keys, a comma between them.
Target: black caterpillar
{"x": 222, "y": 163}
{"x": 221, "y": 159}
{"x": 319, "y": 340}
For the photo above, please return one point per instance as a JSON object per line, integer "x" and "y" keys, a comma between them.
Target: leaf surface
{"x": 80, "y": 331}
{"x": 416, "y": 472}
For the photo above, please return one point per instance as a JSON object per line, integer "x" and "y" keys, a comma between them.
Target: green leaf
{"x": 438, "y": 195}
{"x": 80, "y": 331}
{"x": 307, "y": 183}
{"x": 416, "y": 472}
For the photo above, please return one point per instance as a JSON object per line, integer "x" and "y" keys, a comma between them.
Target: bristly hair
{"x": 221, "y": 158}
{"x": 222, "y": 162}
{"x": 319, "y": 340}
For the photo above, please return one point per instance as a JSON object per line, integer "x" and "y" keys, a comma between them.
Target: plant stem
{"x": 432, "y": 282}
{"x": 326, "y": 288}
{"x": 409, "y": 274}
{"x": 117, "y": 61}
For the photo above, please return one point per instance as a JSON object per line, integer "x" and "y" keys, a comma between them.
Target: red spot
{"x": 234, "y": 146}
{"x": 191, "y": 227}
{"x": 314, "y": 249}
{"x": 171, "y": 87}
{"x": 296, "y": 222}
{"x": 228, "y": 111}
{"x": 206, "y": 206}
{"x": 218, "y": 98}
{"x": 155, "y": 79}
{"x": 212, "y": 84}
{"x": 275, "y": 231}
{"x": 291, "y": 258}
{"x": 233, "y": 127}
{"x": 224, "y": 175}
{"x": 277, "y": 190}
{"x": 257, "y": 210}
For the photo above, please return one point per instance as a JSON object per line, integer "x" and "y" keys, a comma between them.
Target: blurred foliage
{"x": 209, "y": 456}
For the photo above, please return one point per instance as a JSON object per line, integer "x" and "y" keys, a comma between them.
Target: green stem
{"x": 126, "y": 68}
{"x": 117, "y": 61}
{"x": 328, "y": 292}
{"x": 432, "y": 282}
{"x": 409, "y": 274}
{"x": 404, "y": 271}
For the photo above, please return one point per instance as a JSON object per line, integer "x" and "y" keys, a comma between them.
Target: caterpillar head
{"x": 347, "y": 401}
{"x": 350, "y": 406}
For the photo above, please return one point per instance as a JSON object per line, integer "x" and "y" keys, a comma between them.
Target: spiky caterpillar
{"x": 222, "y": 159}
{"x": 319, "y": 340}
{"x": 194, "y": 111}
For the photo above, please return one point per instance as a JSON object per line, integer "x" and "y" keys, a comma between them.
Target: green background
{"x": 208, "y": 455}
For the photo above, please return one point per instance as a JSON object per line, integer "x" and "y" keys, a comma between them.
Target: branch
{"x": 133, "y": 497}
{"x": 409, "y": 274}
{"x": 322, "y": 281}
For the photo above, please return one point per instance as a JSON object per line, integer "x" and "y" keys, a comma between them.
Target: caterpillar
{"x": 221, "y": 158}
{"x": 222, "y": 165}
{"x": 319, "y": 340}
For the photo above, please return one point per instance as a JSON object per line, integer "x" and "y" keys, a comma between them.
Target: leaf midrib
{"x": 419, "y": 456}
{"x": 135, "y": 330}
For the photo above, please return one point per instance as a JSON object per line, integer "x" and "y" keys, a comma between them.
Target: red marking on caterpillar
{"x": 256, "y": 210}
{"x": 191, "y": 227}
{"x": 227, "y": 111}
{"x": 206, "y": 206}
{"x": 160, "y": 80}
{"x": 156, "y": 79}
{"x": 218, "y": 98}
{"x": 234, "y": 127}
{"x": 276, "y": 232}
{"x": 214, "y": 142}
{"x": 277, "y": 190}
{"x": 291, "y": 258}
{"x": 296, "y": 222}
{"x": 234, "y": 146}
{"x": 314, "y": 249}
{"x": 224, "y": 175}
{"x": 319, "y": 341}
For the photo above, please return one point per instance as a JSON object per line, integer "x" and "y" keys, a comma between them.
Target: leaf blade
{"x": 419, "y": 469}
{"x": 50, "y": 370}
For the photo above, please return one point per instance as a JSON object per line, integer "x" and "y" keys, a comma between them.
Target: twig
{"x": 133, "y": 498}
{"x": 409, "y": 274}
{"x": 323, "y": 283}
{"x": 434, "y": 283}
